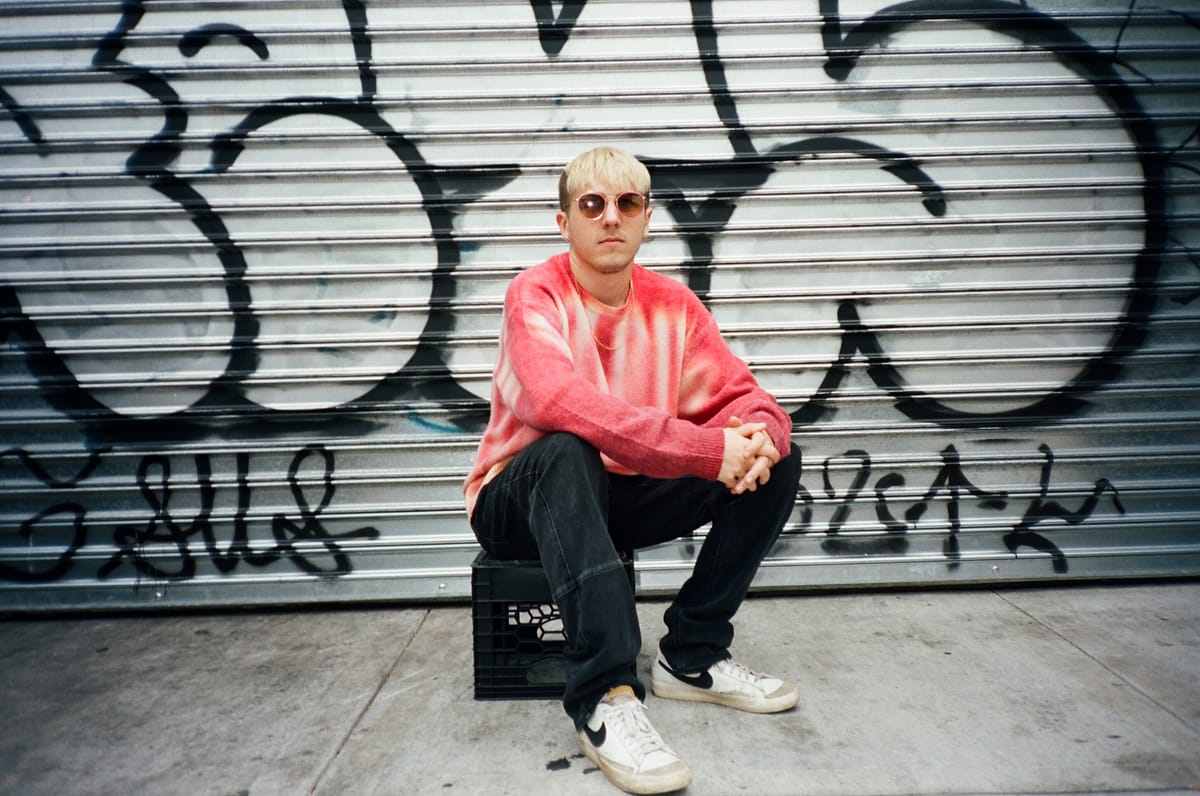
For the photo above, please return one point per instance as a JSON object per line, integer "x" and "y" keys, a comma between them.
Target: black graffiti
{"x": 28, "y": 127}
{"x": 952, "y": 480}
{"x": 895, "y": 542}
{"x": 952, "y": 484}
{"x": 161, "y": 547}
{"x": 1042, "y": 510}
{"x": 31, "y": 573}
{"x": 195, "y": 41}
{"x": 446, "y": 190}
{"x": 162, "y": 528}
{"x": 1175, "y": 161}
{"x": 165, "y": 537}
{"x": 949, "y": 479}
{"x": 554, "y": 31}
{"x": 845, "y": 47}
{"x": 702, "y": 221}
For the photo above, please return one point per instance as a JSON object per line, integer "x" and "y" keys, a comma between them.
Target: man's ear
{"x": 561, "y": 218}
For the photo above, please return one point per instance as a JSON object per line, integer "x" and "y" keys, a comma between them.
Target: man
{"x": 620, "y": 419}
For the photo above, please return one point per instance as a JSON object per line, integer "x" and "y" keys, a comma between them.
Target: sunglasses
{"x": 629, "y": 204}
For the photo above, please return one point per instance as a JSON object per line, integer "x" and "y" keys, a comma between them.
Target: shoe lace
{"x": 635, "y": 725}
{"x": 741, "y": 672}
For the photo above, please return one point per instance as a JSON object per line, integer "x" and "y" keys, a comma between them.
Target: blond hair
{"x": 605, "y": 165}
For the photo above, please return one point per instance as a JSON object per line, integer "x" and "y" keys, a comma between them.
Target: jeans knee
{"x": 789, "y": 466}
{"x": 785, "y": 477}
{"x": 560, "y": 448}
{"x": 567, "y": 444}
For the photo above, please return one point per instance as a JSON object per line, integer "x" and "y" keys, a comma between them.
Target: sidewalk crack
{"x": 1122, "y": 678}
{"x": 387, "y": 676}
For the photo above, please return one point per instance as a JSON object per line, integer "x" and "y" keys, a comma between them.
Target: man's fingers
{"x": 759, "y": 473}
{"x": 761, "y": 444}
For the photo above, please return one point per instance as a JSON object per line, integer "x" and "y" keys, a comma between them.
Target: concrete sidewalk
{"x": 1078, "y": 689}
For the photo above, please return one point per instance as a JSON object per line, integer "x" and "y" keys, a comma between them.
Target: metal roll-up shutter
{"x": 252, "y": 259}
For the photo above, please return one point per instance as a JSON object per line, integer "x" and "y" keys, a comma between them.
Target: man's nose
{"x": 612, "y": 216}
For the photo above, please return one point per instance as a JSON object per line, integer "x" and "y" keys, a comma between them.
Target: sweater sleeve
{"x": 717, "y": 385}
{"x": 542, "y": 387}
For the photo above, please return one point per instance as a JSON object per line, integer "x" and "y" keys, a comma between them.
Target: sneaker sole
{"x": 687, "y": 693}
{"x": 665, "y": 782}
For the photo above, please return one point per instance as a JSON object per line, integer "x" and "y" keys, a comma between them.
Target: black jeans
{"x": 555, "y": 502}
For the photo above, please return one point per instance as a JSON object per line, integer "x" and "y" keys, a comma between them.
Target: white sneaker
{"x": 724, "y": 683}
{"x": 619, "y": 738}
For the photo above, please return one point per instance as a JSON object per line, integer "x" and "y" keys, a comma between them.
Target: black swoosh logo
{"x": 596, "y": 736}
{"x": 701, "y": 680}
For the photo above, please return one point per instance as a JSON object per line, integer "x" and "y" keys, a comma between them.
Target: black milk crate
{"x": 518, "y": 631}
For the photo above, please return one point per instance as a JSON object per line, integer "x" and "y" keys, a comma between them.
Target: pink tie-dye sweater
{"x": 652, "y": 384}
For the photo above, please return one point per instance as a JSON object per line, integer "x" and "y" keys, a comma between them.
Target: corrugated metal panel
{"x": 253, "y": 256}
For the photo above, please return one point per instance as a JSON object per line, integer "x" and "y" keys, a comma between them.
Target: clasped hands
{"x": 749, "y": 456}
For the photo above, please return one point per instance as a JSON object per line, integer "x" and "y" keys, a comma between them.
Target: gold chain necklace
{"x": 579, "y": 289}
{"x": 601, "y": 344}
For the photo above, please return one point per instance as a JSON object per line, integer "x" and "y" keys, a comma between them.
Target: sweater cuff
{"x": 783, "y": 443}
{"x": 710, "y": 453}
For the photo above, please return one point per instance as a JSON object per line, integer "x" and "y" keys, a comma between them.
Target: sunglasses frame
{"x": 616, "y": 201}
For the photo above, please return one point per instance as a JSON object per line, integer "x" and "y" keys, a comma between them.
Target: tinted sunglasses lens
{"x": 591, "y": 205}
{"x": 630, "y": 204}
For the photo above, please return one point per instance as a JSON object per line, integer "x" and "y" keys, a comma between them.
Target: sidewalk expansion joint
{"x": 1122, "y": 678}
{"x": 387, "y": 676}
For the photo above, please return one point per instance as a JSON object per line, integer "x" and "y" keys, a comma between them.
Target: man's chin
{"x": 612, "y": 265}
